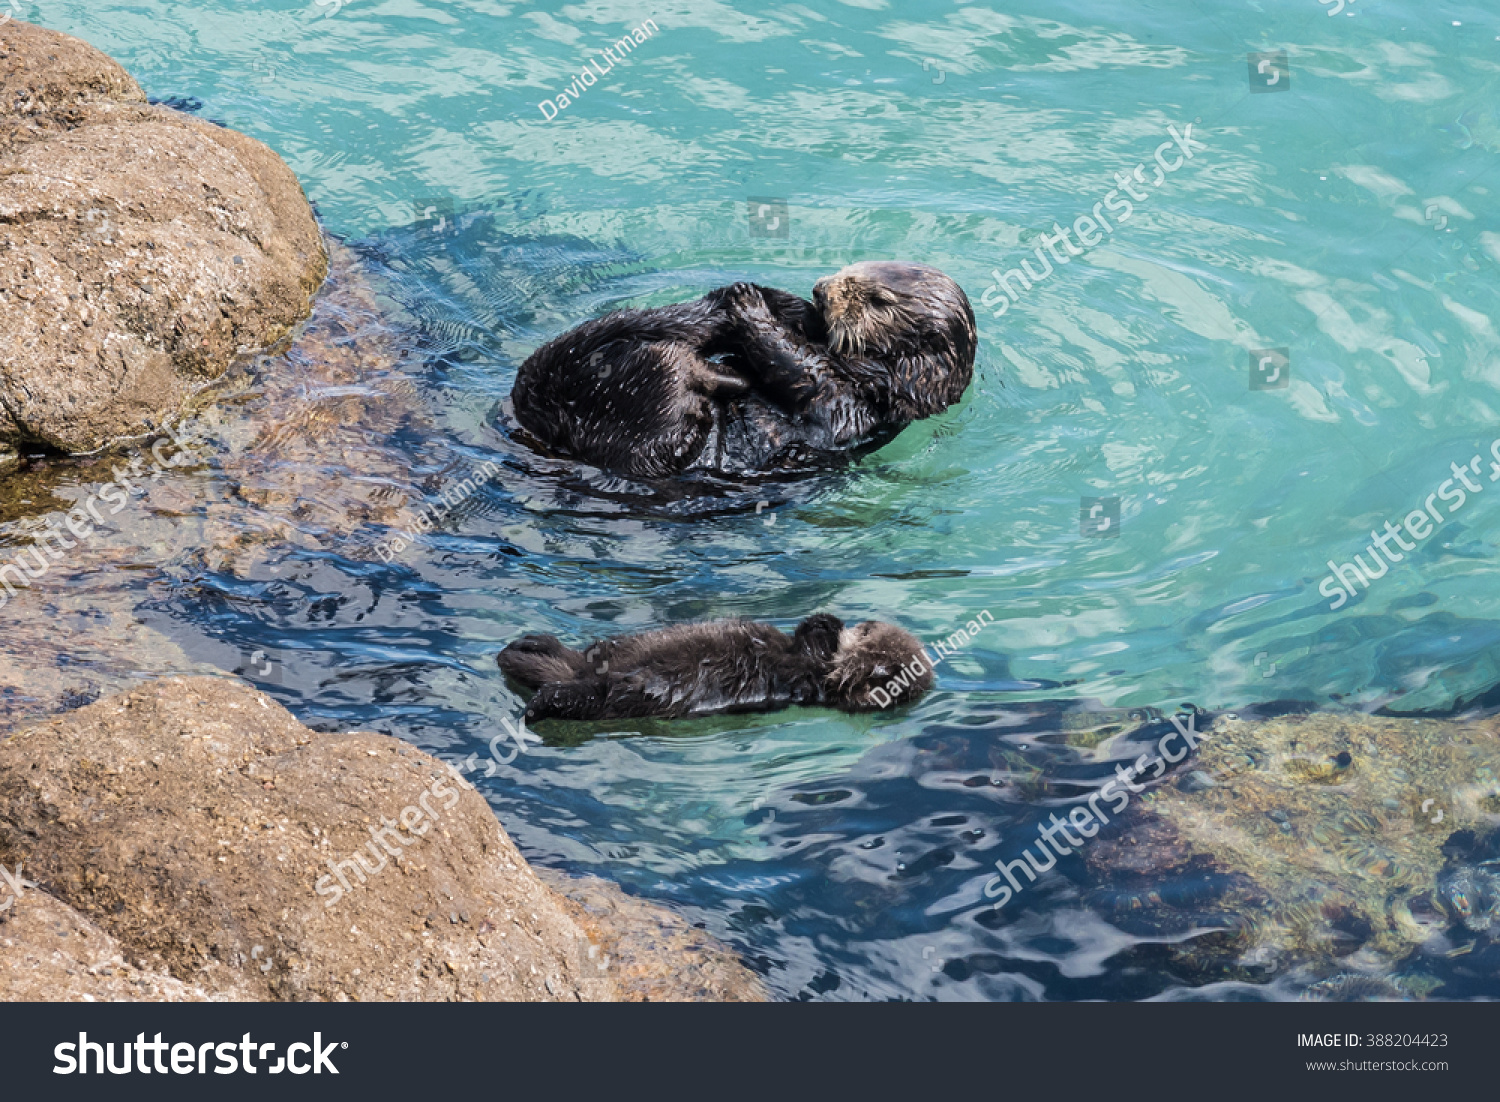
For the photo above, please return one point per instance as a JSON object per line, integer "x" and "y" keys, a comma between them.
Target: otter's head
{"x": 876, "y": 666}
{"x": 878, "y": 307}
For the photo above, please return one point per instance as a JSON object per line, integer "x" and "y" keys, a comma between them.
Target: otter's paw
{"x": 738, "y": 298}
{"x": 737, "y": 292}
{"x": 818, "y": 635}
{"x": 567, "y": 700}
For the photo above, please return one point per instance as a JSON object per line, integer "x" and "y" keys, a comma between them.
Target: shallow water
{"x": 1350, "y": 220}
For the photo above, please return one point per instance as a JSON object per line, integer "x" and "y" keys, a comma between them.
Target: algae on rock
{"x": 1336, "y": 841}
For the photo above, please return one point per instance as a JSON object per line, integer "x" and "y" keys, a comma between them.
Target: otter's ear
{"x": 819, "y": 635}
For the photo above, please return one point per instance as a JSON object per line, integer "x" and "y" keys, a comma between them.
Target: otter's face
{"x": 877, "y": 666}
{"x": 871, "y": 306}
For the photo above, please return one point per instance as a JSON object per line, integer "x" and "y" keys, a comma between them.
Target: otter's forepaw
{"x": 566, "y": 700}
{"x": 818, "y": 635}
{"x": 739, "y": 299}
{"x": 737, "y": 292}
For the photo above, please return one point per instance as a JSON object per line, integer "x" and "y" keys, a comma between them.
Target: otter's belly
{"x": 758, "y": 692}
{"x": 752, "y": 436}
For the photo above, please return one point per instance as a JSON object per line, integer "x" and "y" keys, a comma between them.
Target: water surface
{"x": 1349, "y": 220}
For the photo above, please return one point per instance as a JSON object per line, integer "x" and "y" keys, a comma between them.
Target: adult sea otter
{"x": 750, "y": 379}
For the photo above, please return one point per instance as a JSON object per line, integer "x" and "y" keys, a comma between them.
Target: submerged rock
{"x": 141, "y": 249}
{"x": 221, "y": 844}
{"x": 1334, "y": 843}
{"x": 1355, "y": 989}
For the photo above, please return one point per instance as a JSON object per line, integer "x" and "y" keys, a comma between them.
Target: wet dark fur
{"x": 723, "y": 666}
{"x": 750, "y": 379}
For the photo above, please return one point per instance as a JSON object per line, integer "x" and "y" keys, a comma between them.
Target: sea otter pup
{"x": 749, "y": 379}
{"x": 723, "y": 666}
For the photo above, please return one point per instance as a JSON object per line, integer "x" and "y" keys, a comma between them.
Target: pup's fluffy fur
{"x": 723, "y": 666}
{"x": 751, "y": 379}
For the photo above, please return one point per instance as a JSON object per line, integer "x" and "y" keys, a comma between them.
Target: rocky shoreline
{"x": 180, "y": 841}
{"x": 142, "y": 250}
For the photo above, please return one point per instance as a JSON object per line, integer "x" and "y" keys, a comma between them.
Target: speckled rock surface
{"x": 651, "y": 954}
{"x": 192, "y": 840}
{"x": 198, "y": 824}
{"x": 51, "y": 953}
{"x": 141, "y": 249}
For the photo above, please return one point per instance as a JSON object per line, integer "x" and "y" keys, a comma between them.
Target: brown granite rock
{"x": 194, "y": 820}
{"x": 196, "y": 830}
{"x": 651, "y": 954}
{"x": 141, "y": 249}
{"x": 51, "y": 953}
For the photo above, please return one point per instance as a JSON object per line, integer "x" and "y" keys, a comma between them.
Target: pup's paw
{"x": 566, "y": 700}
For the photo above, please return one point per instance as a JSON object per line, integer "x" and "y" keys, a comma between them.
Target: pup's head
{"x": 872, "y": 307}
{"x": 876, "y": 666}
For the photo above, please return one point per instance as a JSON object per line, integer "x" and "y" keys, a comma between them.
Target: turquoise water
{"x": 1350, "y": 220}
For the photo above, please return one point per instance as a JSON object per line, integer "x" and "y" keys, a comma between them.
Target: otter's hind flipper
{"x": 715, "y": 380}
{"x": 534, "y": 660}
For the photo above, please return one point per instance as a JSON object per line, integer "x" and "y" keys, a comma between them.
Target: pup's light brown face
{"x": 875, "y": 655}
{"x": 867, "y": 305}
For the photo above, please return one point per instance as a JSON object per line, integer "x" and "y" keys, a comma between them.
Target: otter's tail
{"x": 535, "y": 660}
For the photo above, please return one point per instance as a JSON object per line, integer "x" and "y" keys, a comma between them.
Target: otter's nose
{"x": 820, "y": 294}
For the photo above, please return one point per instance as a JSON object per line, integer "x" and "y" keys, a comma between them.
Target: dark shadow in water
{"x": 1481, "y": 703}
